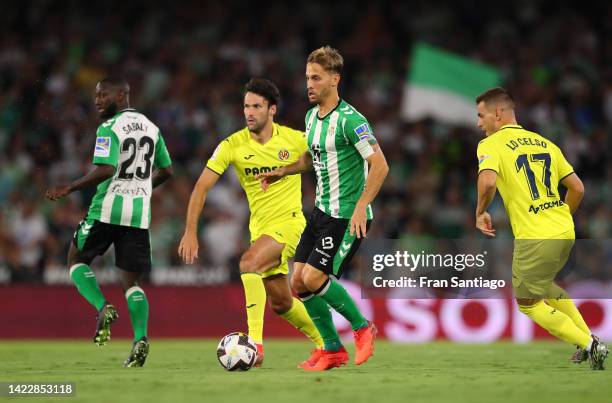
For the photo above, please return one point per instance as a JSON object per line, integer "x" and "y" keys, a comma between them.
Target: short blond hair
{"x": 327, "y": 57}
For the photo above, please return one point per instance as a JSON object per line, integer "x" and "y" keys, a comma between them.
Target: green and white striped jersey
{"x": 339, "y": 144}
{"x": 134, "y": 146}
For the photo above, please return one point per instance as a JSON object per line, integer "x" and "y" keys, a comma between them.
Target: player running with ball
{"x": 276, "y": 221}
{"x": 350, "y": 169}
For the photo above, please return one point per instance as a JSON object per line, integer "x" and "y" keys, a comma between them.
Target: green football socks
{"x": 321, "y": 316}
{"x": 338, "y": 298}
{"x": 85, "y": 281}
{"x": 139, "y": 311}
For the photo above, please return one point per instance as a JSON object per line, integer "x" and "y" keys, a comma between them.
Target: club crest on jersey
{"x": 102, "y": 147}
{"x": 283, "y": 154}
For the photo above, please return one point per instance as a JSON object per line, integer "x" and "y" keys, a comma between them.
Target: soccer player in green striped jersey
{"x": 350, "y": 169}
{"x": 131, "y": 159}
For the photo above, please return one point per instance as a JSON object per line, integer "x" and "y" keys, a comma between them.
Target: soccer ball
{"x": 237, "y": 352}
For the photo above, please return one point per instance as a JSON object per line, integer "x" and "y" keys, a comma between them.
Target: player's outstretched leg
{"x": 556, "y": 322}
{"x": 290, "y": 308}
{"x": 558, "y": 298}
{"x": 338, "y": 298}
{"x": 85, "y": 280}
{"x": 333, "y": 353}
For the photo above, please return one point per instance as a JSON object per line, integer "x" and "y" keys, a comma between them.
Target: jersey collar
{"x": 330, "y": 112}
{"x": 124, "y": 110}
{"x": 275, "y": 132}
{"x": 510, "y": 127}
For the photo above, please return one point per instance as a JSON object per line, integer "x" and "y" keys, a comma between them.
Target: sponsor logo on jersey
{"x": 102, "y": 147}
{"x": 482, "y": 158}
{"x": 258, "y": 170}
{"x": 283, "y": 154}
{"x": 118, "y": 189}
{"x": 545, "y": 206}
{"x": 248, "y": 157}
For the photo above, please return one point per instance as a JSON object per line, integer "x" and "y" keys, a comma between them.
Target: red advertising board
{"x": 60, "y": 312}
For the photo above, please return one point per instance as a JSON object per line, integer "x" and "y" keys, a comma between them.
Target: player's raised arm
{"x": 575, "y": 191}
{"x": 188, "y": 248}
{"x": 98, "y": 175}
{"x": 301, "y": 165}
{"x": 377, "y": 172}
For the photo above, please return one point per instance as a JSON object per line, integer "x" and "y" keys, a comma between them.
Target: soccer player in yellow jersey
{"x": 276, "y": 221}
{"x": 526, "y": 168}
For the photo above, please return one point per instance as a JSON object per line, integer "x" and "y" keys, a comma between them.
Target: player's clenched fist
{"x": 188, "y": 248}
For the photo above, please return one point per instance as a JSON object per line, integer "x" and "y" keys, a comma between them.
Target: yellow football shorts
{"x": 535, "y": 264}
{"x": 287, "y": 233}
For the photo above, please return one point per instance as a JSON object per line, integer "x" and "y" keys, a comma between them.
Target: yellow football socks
{"x": 255, "y": 296}
{"x": 557, "y": 323}
{"x": 300, "y": 319}
{"x": 562, "y": 302}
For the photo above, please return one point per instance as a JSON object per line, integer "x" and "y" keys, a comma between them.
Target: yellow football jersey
{"x": 283, "y": 199}
{"x": 529, "y": 168}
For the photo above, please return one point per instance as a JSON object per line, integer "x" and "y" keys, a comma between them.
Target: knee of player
{"x": 248, "y": 264}
{"x": 297, "y": 284}
{"x": 314, "y": 279}
{"x": 525, "y": 305}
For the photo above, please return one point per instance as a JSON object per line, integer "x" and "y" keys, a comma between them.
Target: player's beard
{"x": 109, "y": 112}
{"x": 258, "y": 127}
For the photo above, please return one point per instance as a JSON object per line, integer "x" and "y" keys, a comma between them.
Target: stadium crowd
{"x": 187, "y": 65}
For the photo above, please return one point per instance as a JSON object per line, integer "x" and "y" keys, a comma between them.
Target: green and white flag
{"x": 443, "y": 86}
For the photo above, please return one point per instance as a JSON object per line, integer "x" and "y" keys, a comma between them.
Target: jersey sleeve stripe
{"x": 487, "y": 169}
{"x": 209, "y": 168}
{"x": 560, "y": 179}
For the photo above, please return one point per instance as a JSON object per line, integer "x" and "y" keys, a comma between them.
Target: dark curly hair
{"x": 264, "y": 88}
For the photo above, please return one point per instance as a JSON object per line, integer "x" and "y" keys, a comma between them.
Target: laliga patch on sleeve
{"x": 102, "y": 147}
{"x": 363, "y": 130}
{"x": 482, "y": 158}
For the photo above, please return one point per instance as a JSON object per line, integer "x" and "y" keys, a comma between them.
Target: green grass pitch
{"x": 187, "y": 370}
